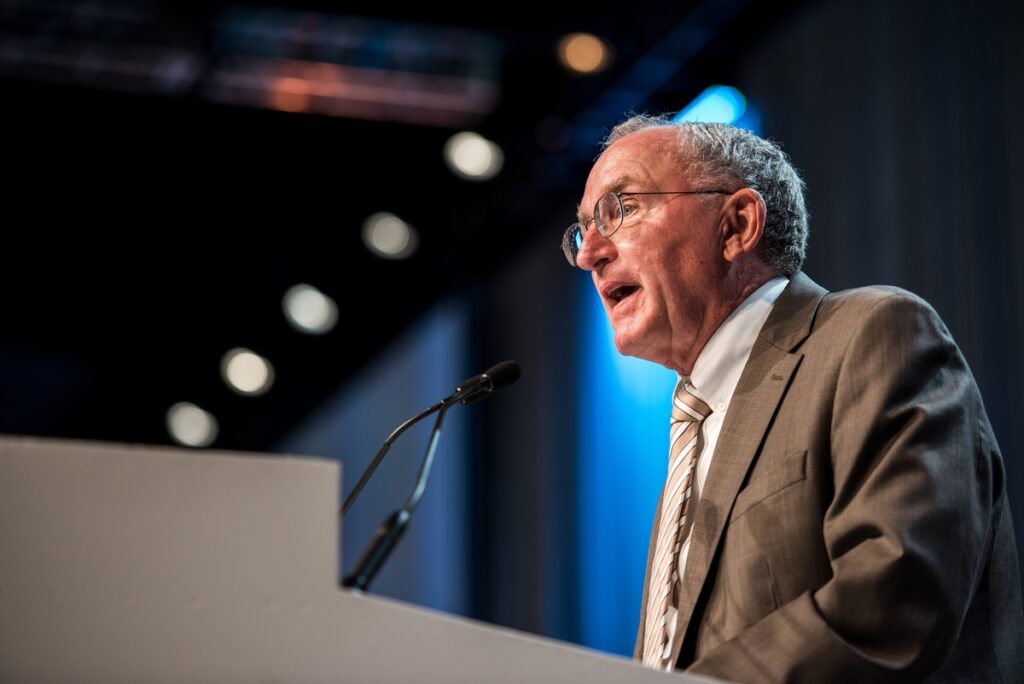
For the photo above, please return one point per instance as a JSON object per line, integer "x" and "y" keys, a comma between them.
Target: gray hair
{"x": 719, "y": 153}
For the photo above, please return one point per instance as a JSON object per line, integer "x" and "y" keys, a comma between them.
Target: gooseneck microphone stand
{"x": 391, "y": 530}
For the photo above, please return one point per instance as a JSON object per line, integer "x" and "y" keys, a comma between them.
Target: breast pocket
{"x": 772, "y": 475}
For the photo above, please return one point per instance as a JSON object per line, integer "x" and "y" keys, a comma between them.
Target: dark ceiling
{"x": 149, "y": 232}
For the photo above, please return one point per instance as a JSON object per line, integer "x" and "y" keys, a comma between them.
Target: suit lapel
{"x": 761, "y": 387}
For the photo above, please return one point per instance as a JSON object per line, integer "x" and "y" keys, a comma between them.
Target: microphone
{"x": 469, "y": 390}
{"x": 479, "y": 386}
{"x": 388, "y": 534}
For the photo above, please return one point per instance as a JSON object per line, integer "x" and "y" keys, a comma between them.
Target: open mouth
{"x": 621, "y": 292}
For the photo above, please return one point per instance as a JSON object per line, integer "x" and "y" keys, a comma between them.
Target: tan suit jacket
{"x": 854, "y": 525}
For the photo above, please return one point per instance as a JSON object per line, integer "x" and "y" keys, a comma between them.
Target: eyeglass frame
{"x": 581, "y": 226}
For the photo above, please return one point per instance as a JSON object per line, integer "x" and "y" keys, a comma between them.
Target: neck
{"x": 746, "y": 283}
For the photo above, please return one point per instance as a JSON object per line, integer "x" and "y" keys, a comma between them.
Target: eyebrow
{"x": 614, "y": 186}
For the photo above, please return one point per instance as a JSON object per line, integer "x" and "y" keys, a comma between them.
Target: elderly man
{"x": 835, "y": 505}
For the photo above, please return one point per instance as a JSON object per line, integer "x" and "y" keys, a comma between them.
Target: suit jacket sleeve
{"x": 916, "y": 475}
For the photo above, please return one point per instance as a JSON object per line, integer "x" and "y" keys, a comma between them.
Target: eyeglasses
{"x": 609, "y": 213}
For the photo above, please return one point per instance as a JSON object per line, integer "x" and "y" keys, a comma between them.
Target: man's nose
{"x": 595, "y": 251}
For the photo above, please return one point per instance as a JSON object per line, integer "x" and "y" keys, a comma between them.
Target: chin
{"x": 630, "y": 344}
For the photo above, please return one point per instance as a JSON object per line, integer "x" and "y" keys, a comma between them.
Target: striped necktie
{"x": 688, "y": 411}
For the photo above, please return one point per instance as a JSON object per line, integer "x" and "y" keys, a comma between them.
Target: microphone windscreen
{"x": 504, "y": 373}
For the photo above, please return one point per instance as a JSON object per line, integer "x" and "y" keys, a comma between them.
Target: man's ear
{"x": 743, "y": 219}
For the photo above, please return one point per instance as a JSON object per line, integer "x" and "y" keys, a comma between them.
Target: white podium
{"x": 136, "y": 564}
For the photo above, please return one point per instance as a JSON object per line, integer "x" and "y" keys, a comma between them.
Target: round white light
{"x": 190, "y": 425}
{"x": 473, "y": 157}
{"x": 309, "y": 310}
{"x": 388, "y": 236}
{"x": 246, "y": 372}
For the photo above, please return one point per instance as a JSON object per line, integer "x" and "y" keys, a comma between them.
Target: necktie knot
{"x": 687, "y": 406}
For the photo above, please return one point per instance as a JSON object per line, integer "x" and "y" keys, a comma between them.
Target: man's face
{"x": 661, "y": 272}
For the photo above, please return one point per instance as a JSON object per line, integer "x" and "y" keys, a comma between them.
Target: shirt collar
{"x": 719, "y": 366}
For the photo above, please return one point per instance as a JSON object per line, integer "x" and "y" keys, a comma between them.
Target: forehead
{"x": 642, "y": 161}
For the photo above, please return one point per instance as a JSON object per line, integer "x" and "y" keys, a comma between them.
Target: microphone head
{"x": 504, "y": 373}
